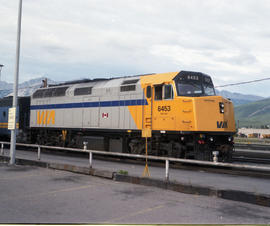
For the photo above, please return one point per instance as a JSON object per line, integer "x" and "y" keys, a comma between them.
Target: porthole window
{"x": 148, "y": 92}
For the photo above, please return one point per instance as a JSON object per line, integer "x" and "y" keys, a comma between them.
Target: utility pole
{"x": 15, "y": 86}
{"x": 1, "y": 66}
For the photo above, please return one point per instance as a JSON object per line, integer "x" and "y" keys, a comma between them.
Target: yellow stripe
{"x": 4, "y": 125}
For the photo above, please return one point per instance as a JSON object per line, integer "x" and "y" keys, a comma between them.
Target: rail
{"x": 253, "y": 146}
{"x": 167, "y": 160}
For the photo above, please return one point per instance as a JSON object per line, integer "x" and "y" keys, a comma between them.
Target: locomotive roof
{"x": 86, "y": 85}
{"x": 145, "y": 78}
{"x": 118, "y": 81}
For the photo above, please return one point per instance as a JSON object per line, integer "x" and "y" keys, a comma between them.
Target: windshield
{"x": 208, "y": 86}
{"x": 187, "y": 88}
{"x": 194, "y": 84}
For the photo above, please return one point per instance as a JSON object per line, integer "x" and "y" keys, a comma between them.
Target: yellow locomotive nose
{"x": 213, "y": 113}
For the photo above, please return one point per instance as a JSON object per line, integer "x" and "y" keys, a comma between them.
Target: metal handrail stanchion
{"x": 38, "y": 152}
{"x": 2, "y": 148}
{"x": 167, "y": 170}
{"x": 90, "y": 159}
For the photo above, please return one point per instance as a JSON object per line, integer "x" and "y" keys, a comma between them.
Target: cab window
{"x": 158, "y": 92}
{"x": 163, "y": 92}
{"x": 168, "y": 92}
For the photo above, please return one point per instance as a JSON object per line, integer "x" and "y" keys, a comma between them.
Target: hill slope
{"x": 238, "y": 98}
{"x": 256, "y": 113}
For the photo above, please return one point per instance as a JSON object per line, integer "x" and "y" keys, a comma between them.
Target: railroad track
{"x": 251, "y": 160}
{"x": 252, "y": 156}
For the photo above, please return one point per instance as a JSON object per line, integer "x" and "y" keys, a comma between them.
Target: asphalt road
{"x": 202, "y": 178}
{"x": 37, "y": 195}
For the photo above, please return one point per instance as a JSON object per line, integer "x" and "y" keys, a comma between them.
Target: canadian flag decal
{"x": 105, "y": 115}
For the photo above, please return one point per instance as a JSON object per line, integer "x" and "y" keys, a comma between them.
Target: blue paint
{"x": 114, "y": 103}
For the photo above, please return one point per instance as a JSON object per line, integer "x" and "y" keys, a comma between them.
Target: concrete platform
{"x": 33, "y": 195}
{"x": 239, "y": 188}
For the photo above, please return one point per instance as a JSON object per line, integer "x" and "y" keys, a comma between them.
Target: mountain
{"x": 25, "y": 89}
{"x": 253, "y": 114}
{"x": 238, "y": 98}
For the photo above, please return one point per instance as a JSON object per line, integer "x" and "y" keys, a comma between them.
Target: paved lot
{"x": 202, "y": 178}
{"x": 38, "y": 195}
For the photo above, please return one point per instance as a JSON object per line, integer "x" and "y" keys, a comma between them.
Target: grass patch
{"x": 123, "y": 172}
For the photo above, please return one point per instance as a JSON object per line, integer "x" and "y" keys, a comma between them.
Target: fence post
{"x": 2, "y": 149}
{"x": 38, "y": 152}
{"x": 91, "y": 159}
{"x": 167, "y": 170}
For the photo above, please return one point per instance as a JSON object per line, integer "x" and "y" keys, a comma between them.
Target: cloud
{"x": 69, "y": 39}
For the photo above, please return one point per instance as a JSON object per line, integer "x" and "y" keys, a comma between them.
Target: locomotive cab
{"x": 187, "y": 118}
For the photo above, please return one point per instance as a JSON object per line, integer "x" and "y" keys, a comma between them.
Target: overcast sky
{"x": 74, "y": 39}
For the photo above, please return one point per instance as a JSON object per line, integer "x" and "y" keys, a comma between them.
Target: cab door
{"x": 163, "y": 107}
{"x": 147, "y": 110}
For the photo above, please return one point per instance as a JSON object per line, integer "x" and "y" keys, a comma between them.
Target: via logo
{"x": 222, "y": 124}
{"x": 46, "y": 117}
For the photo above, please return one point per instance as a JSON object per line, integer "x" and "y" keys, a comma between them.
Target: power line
{"x": 241, "y": 83}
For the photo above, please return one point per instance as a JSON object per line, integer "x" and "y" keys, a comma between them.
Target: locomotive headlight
{"x": 221, "y": 107}
{"x": 211, "y": 139}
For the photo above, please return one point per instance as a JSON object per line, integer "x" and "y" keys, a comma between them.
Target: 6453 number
{"x": 164, "y": 108}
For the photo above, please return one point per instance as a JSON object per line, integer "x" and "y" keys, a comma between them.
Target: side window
{"x": 158, "y": 92}
{"x": 83, "y": 91}
{"x": 148, "y": 92}
{"x": 127, "y": 88}
{"x": 168, "y": 92}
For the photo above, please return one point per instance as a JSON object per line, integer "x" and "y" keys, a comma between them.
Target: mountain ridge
{"x": 253, "y": 114}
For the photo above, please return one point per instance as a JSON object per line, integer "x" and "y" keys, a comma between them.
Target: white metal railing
{"x": 167, "y": 160}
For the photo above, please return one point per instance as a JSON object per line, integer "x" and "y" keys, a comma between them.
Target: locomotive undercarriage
{"x": 188, "y": 146}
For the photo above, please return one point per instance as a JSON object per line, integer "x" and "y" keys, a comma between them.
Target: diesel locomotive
{"x": 181, "y": 110}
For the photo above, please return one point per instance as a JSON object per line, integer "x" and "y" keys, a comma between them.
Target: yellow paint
{"x": 64, "y": 135}
{"x": 146, "y": 172}
{"x": 146, "y": 132}
{"x": 185, "y": 113}
{"x": 40, "y": 116}
{"x": 4, "y": 125}
{"x": 51, "y": 118}
{"x": 46, "y": 117}
{"x": 156, "y": 79}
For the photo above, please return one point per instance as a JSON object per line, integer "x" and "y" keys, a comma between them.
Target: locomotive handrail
{"x": 166, "y": 159}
